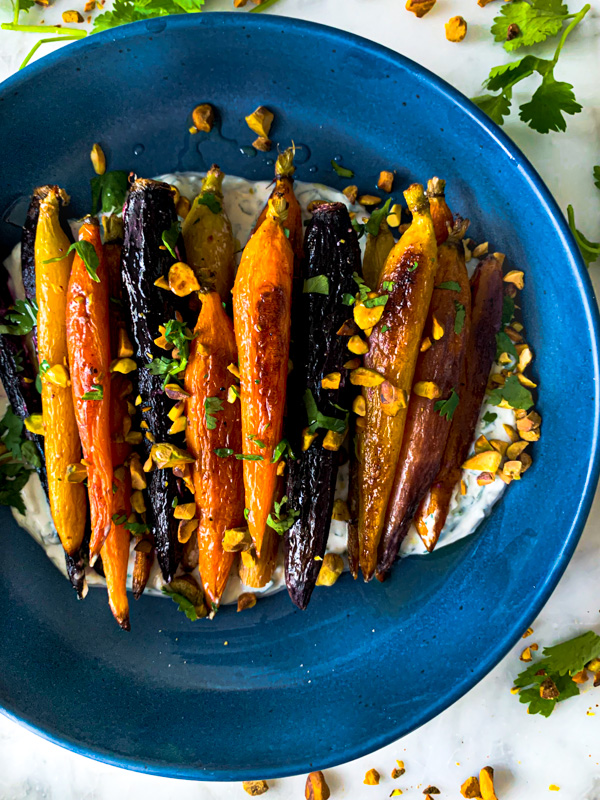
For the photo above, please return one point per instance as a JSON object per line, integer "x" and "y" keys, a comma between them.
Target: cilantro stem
{"x": 576, "y": 20}
{"x": 72, "y": 33}
{"x": 38, "y": 44}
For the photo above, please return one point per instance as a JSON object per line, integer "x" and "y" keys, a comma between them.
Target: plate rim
{"x": 584, "y": 287}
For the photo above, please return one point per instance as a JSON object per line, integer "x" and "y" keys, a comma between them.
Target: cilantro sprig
{"x": 212, "y": 406}
{"x": 513, "y": 392}
{"x": 532, "y": 22}
{"x": 318, "y": 420}
{"x": 281, "y": 519}
{"x": 552, "y": 675}
{"x": 21, "y": 318}
{"x": 87, "y": 253}
{"x": 109, "y": 191}
{"x": 17, "y": 461}
{"x": 590, "y": 251}
{"x": 446, "y": 408}
{"x": 124, "y": 11}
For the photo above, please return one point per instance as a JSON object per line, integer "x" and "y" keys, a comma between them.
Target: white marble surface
{"x": 488, "y": 726}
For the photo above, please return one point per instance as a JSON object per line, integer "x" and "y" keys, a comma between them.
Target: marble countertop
{"x": 488, "y": 726}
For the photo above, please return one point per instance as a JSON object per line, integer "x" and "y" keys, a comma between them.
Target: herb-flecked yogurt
{"x": 243, "y": 202}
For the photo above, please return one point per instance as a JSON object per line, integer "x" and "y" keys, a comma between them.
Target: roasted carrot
{"x": 208, "y": 237}
{"x": 407, "y": 279}
{"x": 255, "y": 571}
{"x": 115, "y": 551}
{"x": 433, "y": 397}
{"x": 88, "y": 341}
{"x": 214, "y": 437}
{"x": 377, "y": 249}
{"x": 440, "y": 213}
{"x": 486, "y": 318}
{"x": 284, "y": 187}
{"x": 261, "y": 317}
{"x": 61, "y": 444}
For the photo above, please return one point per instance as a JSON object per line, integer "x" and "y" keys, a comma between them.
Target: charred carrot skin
{"x": 440, "y": 213}
{"x": 332, "y": 250}
{"x": 486, "y": 318}
{"x": 218, "y": 479}
{"x": 284, "y": 187}
{"x": 393, "y": 348}
{"x": 61, "y": 444}
{"x": 88, "y": 341}
{"x": 262, "y": 317}
{"x": 426, "y": 430}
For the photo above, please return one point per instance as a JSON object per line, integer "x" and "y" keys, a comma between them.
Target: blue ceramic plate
{"x": 275, "y": 691}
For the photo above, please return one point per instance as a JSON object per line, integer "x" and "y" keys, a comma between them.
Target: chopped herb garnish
{"x": 385, "y": 328}
{"x": 413, "y": 267}
{"x": 87, "y": 253}
{"x": 119, "y": 518}
{"x": 109, "y": 191}
{"x": 280, "y": 450}
{"x": 210, "y": 200}
{"x": 258, "y": 442}
{"x": 136, "y": 528}
{"x": 20, "y": 319}
{"x": 348, "y": 299}
{"x": 388, "y": 286}
{"x": 96, "y": 393}
{"x": 246, "y": 513}
{"x": 249, "y": 457}
{"x": 257, "y": 380}
{"x": 282, "y": 520}
{"x": 380, "y": 300}
{"x": 553, "y": 674}
{"x": 317, "y": 285}
{"x": 318, "y": 420}
{"x": 15, "y": 463}
{"x": 504, "y": 344}
{"x": 183, "y": 604}
{"x": 362, "y": 286}
{"x": 516, "y": 395}
{"x": 223, "y": 452}
{"x": 446, "y": 408}
{"x": 212, "y": 405}
{"x": 373, "y": 224}
{"x": 453, "y": 286}
{"x": 508, "y": 310}
{"x": 489, "y": 417}
{"x": 341, "y": 171}
{"x": 459, "y": 319}
{"x": 170, "y": 237}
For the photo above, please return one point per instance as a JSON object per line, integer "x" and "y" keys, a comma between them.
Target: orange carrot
{"x": 262, "y": 318}
{"x": 214, "y": 436}
{"x": 88, "y": 341}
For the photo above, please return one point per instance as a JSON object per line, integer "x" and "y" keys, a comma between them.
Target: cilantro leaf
{"x": 109, "y": 190}
{"x": 506, "y": 75}
{"x": 341, "y": 171}
{"x": 516, "y": 395}
{"x": 446, "y": 408}
{"x": 223, "y": 452}
{"x": 453, "y": 286}
{"x": 21, "y": 318}
{"x": 496, "y": 106}
{"x": 489, "y": 417}
{"x": 124, "y": 11}
{"x": 318, "y": 420}
{"x": 30, "y": 455}
{"x": 136, "y": 528}
{"x": 597, "y": 176}
{"x": 544, "y": 112}
{"x": 508, "y": 309}
{"x": 87, "y": 253}
{"x": 590, "y": 251}
{"x": 348, "y": 299}
{"x": 11, "y": 430}
{"x": 212, "y": 405}
{"x": 96, "y": 393}
{"x": 281, "y": 520}
{"x": 504, "y": 344}
{"x": 280, "y": 450}
{"x": 373, "y": 224}
{"x": 537, "y": 21}
{"x": 319, "y": 284}
{"x": 210, "y": 200}
{"x": 571, "y": 656}
{"x": 459, "y": 319}
{"x": 249, "y": 457}
{"x": 170, "y": 237}
{"x": 183, "y": 604}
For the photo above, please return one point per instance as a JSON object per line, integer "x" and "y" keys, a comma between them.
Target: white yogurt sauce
{"x": 244, "y": 201}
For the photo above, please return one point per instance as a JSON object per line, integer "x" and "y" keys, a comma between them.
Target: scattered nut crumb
{"x": 553, "y": 788}
{"x": 316, "y": 787}
{"x": 526, "y": 654}
{"x": 372, "y": 777}
{"x": 420, "y": 7}
{"x": 431, "y": 790}
{"x": 399, "y": 770}
{"x": 351, "y": 193}
{"x": 98, "y": 158}
{"x": 512, "y": 31}
{"x": 239, "y": 3}
{"x": 90, "y": 5}
{"x": 386, "y": 181}
{"x": 260, "y": 121}
{"x": 254, "y": 788}
{"x": 71, "y": 16}
{"x": 203, "y": 117}
{"x": 486, "y": 784}
{"x": 456, "y": 30}
{"x": 246, "y": 600}
{"x": 331, "y": 569}
{"x": 483, "y": 3}
{"x": 470, "y": 788}
{"x": 481, "y": 250}
{"x": 262, "y": 144}
{"x": 395, "y": 792}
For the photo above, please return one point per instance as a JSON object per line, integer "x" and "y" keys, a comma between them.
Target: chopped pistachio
{"x": 331, "y": 381}
{"x": 123, "y": 365}
{"x": 182, "y": 279}
{"x": 359, "y": 405}
{"x": 363, "y": 376}
{"x": 97, "y": 156}
{"x": 333, "y": 440}
{"x": 516, "y": 277}
{"x": 456, "y": 30}
{"x": 237, "y": 540}
{"x": 184, "y": 511}
{"x": 427, "y": 389}
{"x": 34, "y": 423}
{"x": 76, "y": 473}
{"x": 488, "y": 461}
{"x": 437, "y": 329}
{"x": 357, "y": 345}
{"x": 246, "y": 600}
{"x": 351, "y": 193}
{"x": 185, "y": 529}
{"x": 260, "y": 121}
{"x": 385, "y": 181}
{"x": 203, "y": 117}
{"x": 340, "y": 511}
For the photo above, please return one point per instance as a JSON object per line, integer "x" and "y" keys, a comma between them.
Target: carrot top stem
{"x": 278, "y": 208}
{"x": 284, "y": 166}
{"x": 416, "y": 200}
{"x": 213, "y": 182}
{"x": 436, "y": 187}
